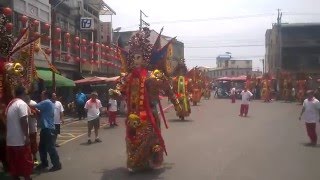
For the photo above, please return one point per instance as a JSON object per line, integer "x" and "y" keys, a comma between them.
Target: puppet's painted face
{"x": 137, "y": 60}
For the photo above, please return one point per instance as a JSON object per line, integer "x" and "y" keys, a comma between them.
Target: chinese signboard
{"x": 86, "y": 23}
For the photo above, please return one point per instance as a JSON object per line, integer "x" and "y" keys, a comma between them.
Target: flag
{"x": 157, "y": 44}
{"x": 160, "y": 56}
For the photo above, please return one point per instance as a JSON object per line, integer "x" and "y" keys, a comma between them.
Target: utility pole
{"x": 142, "y": 22}
{"x": 279, "y": 64}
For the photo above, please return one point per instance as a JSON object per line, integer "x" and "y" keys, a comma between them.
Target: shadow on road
{"x": 123, "y": 173}
{"x": 180, "y": 121}
{"x": 310, "y": 145}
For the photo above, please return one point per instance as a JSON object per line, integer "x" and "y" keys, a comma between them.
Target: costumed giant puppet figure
{"x": 16, "y": 69}
{"x": 180, "y": 86}
{"x": 144, "y": 142}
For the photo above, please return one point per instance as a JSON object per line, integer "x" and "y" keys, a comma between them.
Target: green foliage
{"x": 6, "y": 38}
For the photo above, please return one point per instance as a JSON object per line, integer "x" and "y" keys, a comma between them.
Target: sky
{"x": 209, "y": 28}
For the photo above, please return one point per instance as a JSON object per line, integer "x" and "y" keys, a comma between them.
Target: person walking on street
{"x": 233, "y": 95}
{"x": 246, "y": 96}
{"x": 58, "y": 116}
{"x": 112, "y": 109}
{"x": 93, "y": 107}
{"x": 81, "y": 99}
{"x": 18, "y": 143}
{"x": 310, "y": 115}
{"x": 46, "y": 144}
{"x": 33, "y": 128}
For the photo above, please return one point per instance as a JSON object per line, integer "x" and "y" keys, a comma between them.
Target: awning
{"x": 46, "y": 76}
{"x": 96, "y": 80}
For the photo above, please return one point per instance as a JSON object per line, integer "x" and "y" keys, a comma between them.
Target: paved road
{"x": 213, "y": 143}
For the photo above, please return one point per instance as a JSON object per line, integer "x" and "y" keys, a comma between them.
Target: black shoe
{"x": 57, "y": 145}
{"x": 55, "y": 168}
{"x": 89, "y": 141}
{"x": 97, "y": 140}
{"x": 41, "y": 166}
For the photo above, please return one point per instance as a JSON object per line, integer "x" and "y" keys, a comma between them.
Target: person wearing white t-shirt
{"x": 33, "y": 128}
{"x": 233, "y": 95}
{"x": 58, "y": 116}
{"x": 246, "y": 96}
{"x": 112, "y": 109}
{"x": 18, "y": 148}
{"x": 93, "y": 107}
{"x": 310, "y": 115}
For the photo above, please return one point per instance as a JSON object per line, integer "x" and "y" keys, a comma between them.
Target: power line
{"x": 235, "y": 46}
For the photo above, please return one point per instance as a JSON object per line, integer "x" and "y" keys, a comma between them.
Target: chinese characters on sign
{"x": 86, "y": 23}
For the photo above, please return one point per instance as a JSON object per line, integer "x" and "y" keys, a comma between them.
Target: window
{"x": 248, "y": 62}
{"x": 226, "y": 73}
{"x": 232, "y": 73}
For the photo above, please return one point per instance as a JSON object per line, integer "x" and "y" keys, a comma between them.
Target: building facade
{"x": 227, "y": 66}
{"x": 293, "y": 48}
{"x": 64, "y": 16}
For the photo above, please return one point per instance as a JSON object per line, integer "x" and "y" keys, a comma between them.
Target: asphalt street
{"x": 214, "y": 143}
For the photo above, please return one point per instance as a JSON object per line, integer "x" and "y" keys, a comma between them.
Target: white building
{"x": 231, "y": 67}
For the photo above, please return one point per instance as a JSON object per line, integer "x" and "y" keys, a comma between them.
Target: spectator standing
{"x": 46, "y": 144}
{"x": 310, "y": 115}
{"x": 233, "y": 95}
{"x": 33, "y": 128}
{"x": 81, "y": 99}
{"x": 93, "y": 107}
{"x": 18, "y": 149}
{"x": 58, "y": 117}
{"x": 112, "y": 109}
{"x": 246, "y": 96}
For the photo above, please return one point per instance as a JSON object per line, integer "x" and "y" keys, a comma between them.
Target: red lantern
{"x": 48, "y": 38}
{"x": 83, "y": 60}
{"x": 97, "y": 45}
{"x": 9, "y": 27}
{"x": 47, "y": 51}
{"x": 57, "y": 42}
{"x": 68, "y": 45}
{"x": 24, "y": 19}
{"x": 67, "y": 57}
{"x": 23, "y": 30}
{"x": 58, "y": 30}
{"x": 84, "y": 48}
{"x": 76, "y": 47}
{"x": 36, "y": 34}
{"x": 67, "y": 35}
{"x": 7, "y": 11}
{"x": 84, "y": 41}
{"x": 103, "y": 54}
{"x": 96, "y": 53}
{"x": 56, "y": 53}
{"x": 76, "y": 39}
{"x": 91, "y": 51}
{"x": 76, "y": 59}
{"x": 91, "y": 43}
{"x": 46, "y": 26}
{"x": 35, "y": 23}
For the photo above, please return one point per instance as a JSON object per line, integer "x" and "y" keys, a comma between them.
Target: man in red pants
{"x": 310, "y": 115}
{"x": 246, "y": 96}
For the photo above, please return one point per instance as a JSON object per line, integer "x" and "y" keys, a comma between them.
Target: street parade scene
{"x": 112, "y": 90}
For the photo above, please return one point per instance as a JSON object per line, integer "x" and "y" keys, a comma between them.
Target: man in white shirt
{"x": 58, "y": 116}
{"x": 233, "y": 95}
{"x": 18, "y": 148}
{"x": 246, "y": 96}
{"x": 310, "y": 115}
{"x": 93, "y": 107}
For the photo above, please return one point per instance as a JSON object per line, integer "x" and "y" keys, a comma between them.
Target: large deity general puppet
{"x": 180, "y": 87}
{"x": 142, "y": 84}
{"x": 196, "y": 85}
